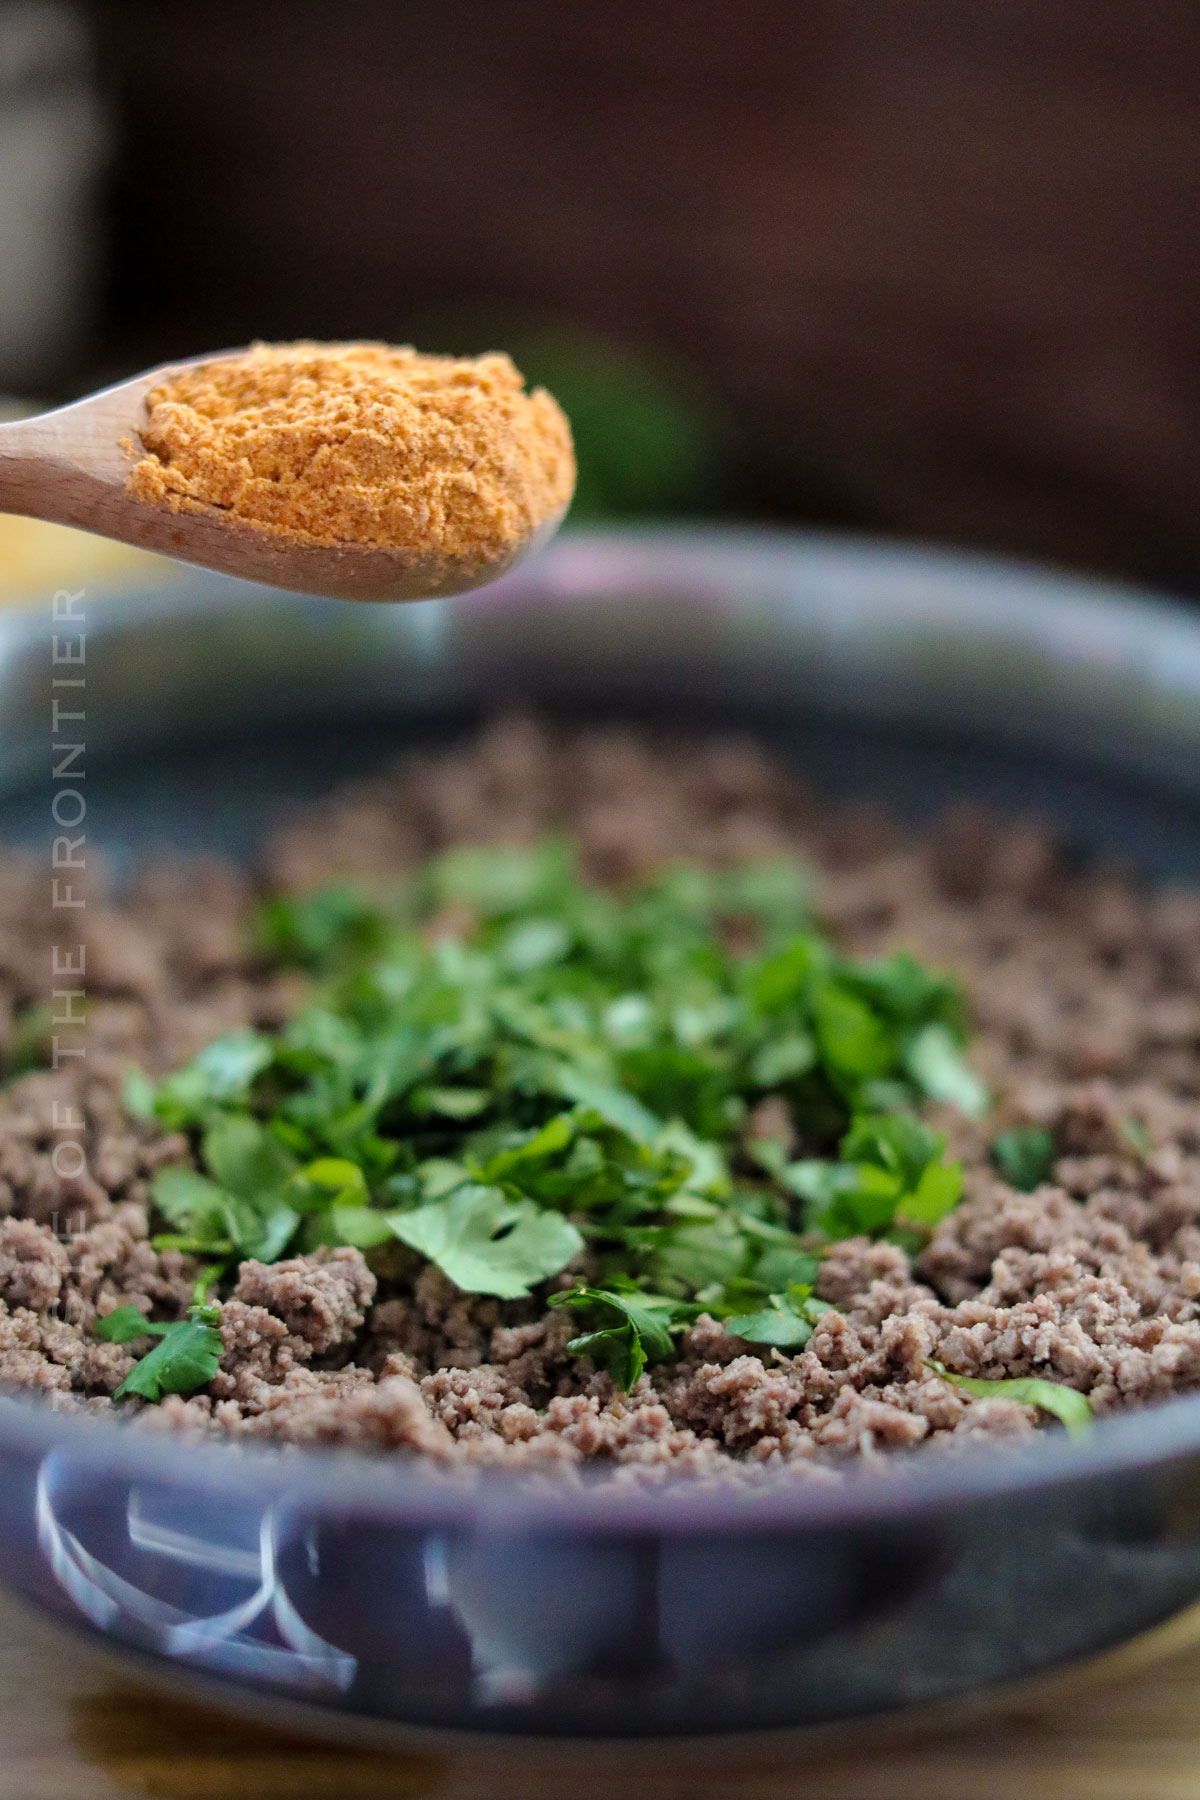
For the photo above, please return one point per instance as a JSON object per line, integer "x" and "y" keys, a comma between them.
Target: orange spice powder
{"x": 361, "y": 444}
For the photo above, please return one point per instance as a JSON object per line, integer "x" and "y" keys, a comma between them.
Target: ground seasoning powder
{"x": 362, "y": 443}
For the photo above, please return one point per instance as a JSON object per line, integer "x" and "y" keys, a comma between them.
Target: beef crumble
{"x": 1085, "y": 991}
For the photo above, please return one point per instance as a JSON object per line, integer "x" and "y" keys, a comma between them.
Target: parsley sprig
{"x": 507, "y": 1072}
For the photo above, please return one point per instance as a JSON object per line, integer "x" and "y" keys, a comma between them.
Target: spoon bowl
{"x": 71, "y": 466}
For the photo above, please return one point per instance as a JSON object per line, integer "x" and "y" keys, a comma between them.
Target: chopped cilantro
{"x": 563, "y": 1071}
{"x": 787, "y": 1320}
{"x": 247, "y": 1211}
{"x": 937, "y": 1065}
{"x": 889, "y": 1171}
{"x": 1067, "y": 1404}
{"x": 1024, "y": 1156}
{"x": 641, "y": 1333}
{"x": 1134, "y": 1134}
{"x": 185, "y": 1358}
{"x": 487, "y": 1243}
{"x": 124, "y": 1324}
{"x": 29, "y": 1042}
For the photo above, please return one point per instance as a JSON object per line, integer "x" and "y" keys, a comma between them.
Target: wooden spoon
{"x": 70, "y": 466}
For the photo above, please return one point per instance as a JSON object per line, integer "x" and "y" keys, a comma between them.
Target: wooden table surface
{"x": 73, "y": 1727}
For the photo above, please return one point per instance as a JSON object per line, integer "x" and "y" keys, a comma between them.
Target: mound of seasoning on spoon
{"x": 361, "y": 444}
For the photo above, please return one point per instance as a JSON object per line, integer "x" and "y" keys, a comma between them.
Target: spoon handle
{"x": 43, "y": 476}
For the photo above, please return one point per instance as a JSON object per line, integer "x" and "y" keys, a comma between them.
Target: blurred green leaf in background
{"x": 651, "y": 440}
{"x": 648, "y": 440}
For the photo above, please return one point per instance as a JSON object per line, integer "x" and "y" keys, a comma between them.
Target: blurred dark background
{"x": 926, "y": 267}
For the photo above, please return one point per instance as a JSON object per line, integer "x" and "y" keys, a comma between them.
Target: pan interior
{"x": 204, "y": 797}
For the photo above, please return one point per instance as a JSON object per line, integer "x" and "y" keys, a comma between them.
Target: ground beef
{"x": 1085, "y": 990}
{"x": 322, "y": 1299}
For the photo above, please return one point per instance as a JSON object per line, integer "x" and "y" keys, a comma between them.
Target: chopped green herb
{"x": 488, "y": 1244}
{"x": 330, "y": 1181}
{"x": 29, "y": 1042}
{"x": 889, "y": 1172}
{"x": 854, "y": 1041}
{"x": 315, "y": 929}
{"x": 642, "y": 1333}
{"x": 787, "y": 1320}
{"x": 249, "y": 1211}
{"x": 185, "y": 1358}
{"x": 1134, "y": 1133}
{"x": 571, "y": 1068}
{"x": 1067, "y": 1404}
{"x": 124, "y": 1324}
{"x": 937, "y": 1065}
{"x": 1024, "y": 1156}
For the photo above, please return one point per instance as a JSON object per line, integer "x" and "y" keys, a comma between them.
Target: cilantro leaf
{"x": 361, "y": 1227}
{"x": 783, "y": 1265}
{"x": 1067, "y": 1404}
{"x": 782, "y": 1058}
{"x": 938, "y": 1192}
{"x": 614, "y": 1105}
{"x": 246, "y": 1160}
{"x": 891, "y": 1170}
{"x": 500, "y": 879}
{"x": 183, "y": 1195}
{"x": 451, "y": 1102}
{"x": 785, "y": 979}
{"x": 618, "y": 1349}
{"x": 220, "y": 1074}
{"x": 905, "y": 993}
{"x": 775, "y": 1323}
{"x": 853, "y": 1040}
{"x": 124, "y": 1324}
{"x": 230, "y": 1064}
{"x": 514, "y": 1158}
{"x": 139, "y": 1094}
{"x": 255, "y": 1170}
{"x": 186, "y": 1357}
{"x": 329, "y": 924}
{"x": 213, "y": 1222}
{"x": 1134, "y": 1134}
{"x": 486, "y": 1243}
{"x": 29, "y": 1044}
{"x": 329, "y": 1181}
{"x": 642, "y": 1333}
{"x": 846, "y": 1199}
{"x": 941, "y": 1072}
{"x": 534, "y": 944}
{"x": 1024, "y": 1156}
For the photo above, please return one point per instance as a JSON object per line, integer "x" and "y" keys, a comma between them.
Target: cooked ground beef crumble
{"x": 1086, "y": 998}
